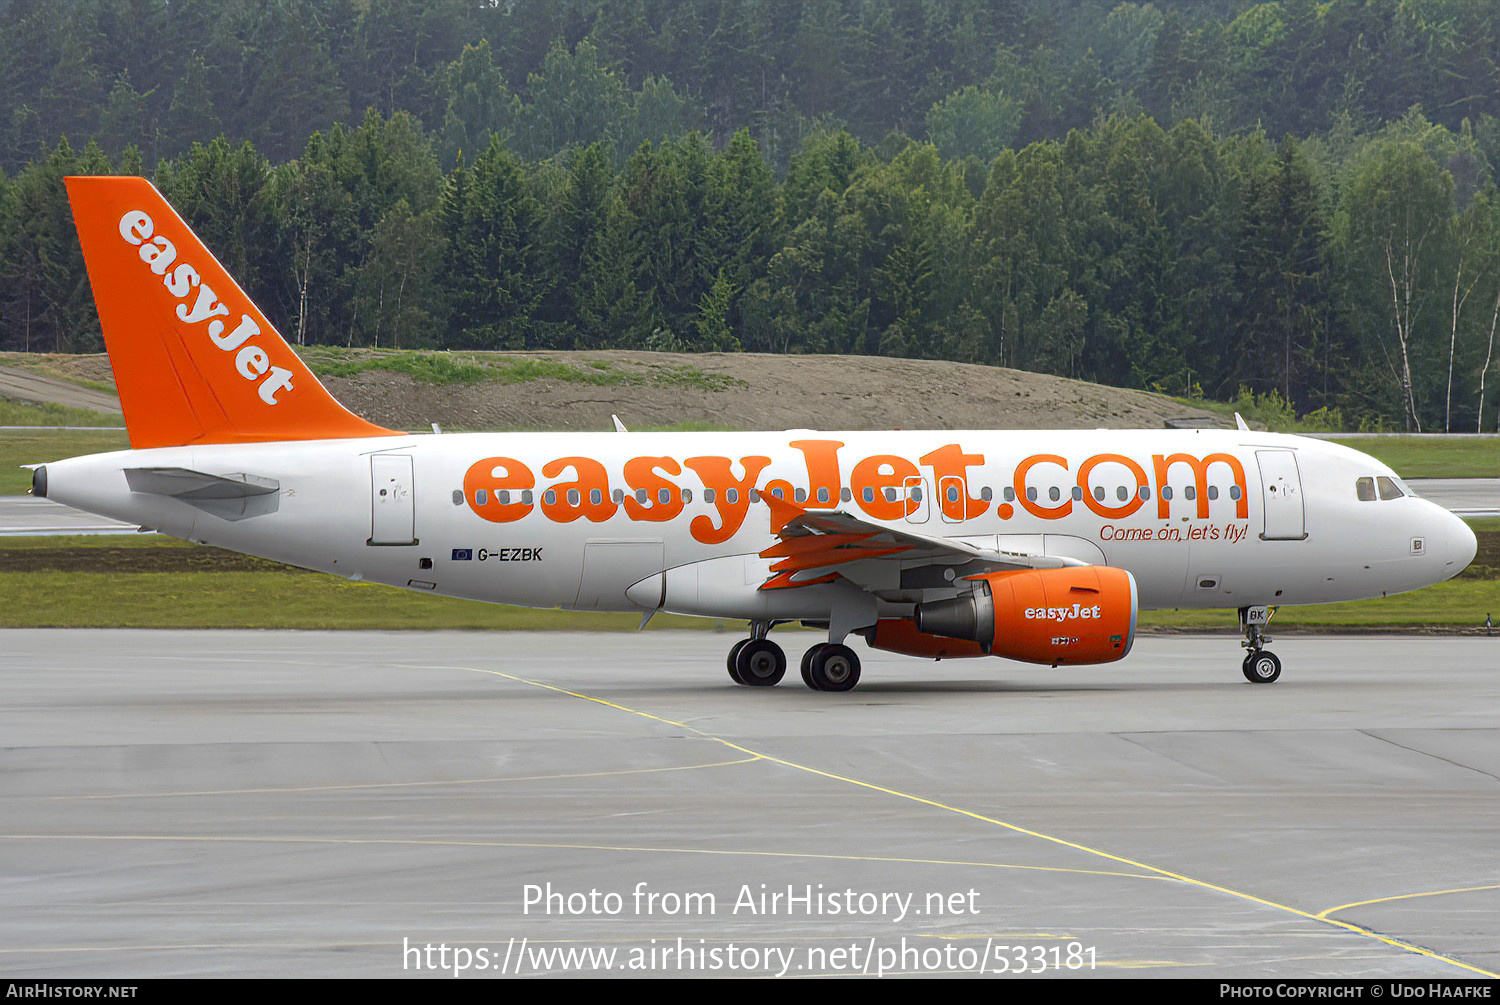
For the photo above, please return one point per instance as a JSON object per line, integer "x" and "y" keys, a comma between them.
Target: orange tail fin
{"x": 195, "y": 361}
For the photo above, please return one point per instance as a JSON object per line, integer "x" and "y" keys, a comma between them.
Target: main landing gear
{"x": 1261, "y": 666}
{"x": 830, "y": 666}
{"x": 759, "y": 662}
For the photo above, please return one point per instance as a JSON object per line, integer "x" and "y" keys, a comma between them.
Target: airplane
{"x": 1036, "y": 546}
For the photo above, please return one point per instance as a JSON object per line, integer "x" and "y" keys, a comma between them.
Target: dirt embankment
{"x": 739, "y": 390}
{"x": 52, "y": 383}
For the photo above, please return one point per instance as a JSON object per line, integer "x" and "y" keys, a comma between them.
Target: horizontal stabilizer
{"x": 232, "y": 497}
{"x": 188, "y": 484}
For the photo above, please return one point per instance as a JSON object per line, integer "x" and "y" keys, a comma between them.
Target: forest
{"x": 1288, "y": 198}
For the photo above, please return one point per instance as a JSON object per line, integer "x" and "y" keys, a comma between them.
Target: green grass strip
{"x": 279, "y": 600}
{"x": 273, "y": 600}
{"x": 35, "y": 413}
{"x": 1432, "y": 456}
{"x": 24, "y": 446}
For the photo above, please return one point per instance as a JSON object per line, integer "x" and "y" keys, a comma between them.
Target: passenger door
{"x": 393, "y": 510}
{"x": 1281, "y": 496}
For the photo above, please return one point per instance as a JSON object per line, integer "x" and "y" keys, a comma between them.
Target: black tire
{"x": 806, "y": 663}
{"x": 761, "y": 663}
{"x": 833, "y": 667}
{"x": 734, "y": 655}
{"x": 1262, "y": 667}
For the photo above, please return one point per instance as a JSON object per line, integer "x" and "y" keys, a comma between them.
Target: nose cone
{"x": 1462, "y": 546}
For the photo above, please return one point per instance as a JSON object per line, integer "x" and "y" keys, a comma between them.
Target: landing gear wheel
{"x": 807, "y": 663}
{"x": 760, "y": 663}
{"x": 832, "y": 667}
{"x": 1262, "y": 667}
{"x": 734, "y": 655}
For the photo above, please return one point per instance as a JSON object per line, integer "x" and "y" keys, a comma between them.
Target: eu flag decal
{"x": 463, "y": 554}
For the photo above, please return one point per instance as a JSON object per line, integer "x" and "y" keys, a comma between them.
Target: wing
{"x": 818, "y": 546}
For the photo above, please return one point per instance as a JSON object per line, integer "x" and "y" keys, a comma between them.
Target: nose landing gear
{"x": 1261, "y": 666}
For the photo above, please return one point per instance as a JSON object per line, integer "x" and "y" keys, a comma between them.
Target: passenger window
{"x": 1388, "y": 488}
{"x": 1365, "y": 489}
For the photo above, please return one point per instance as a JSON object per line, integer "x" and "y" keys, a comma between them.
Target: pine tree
{"x": 191, "y": 117}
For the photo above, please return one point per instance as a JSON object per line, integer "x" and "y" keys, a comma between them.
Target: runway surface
{"x": 25, "y": 515}
{"x": 1464, "y": 496}
{"x": 332, "y": 804}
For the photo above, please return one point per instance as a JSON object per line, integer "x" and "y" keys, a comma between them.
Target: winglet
{"x": 194, "y": 360}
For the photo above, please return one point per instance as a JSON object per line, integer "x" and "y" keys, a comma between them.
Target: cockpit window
{"x": 1365, "y": 488}
{"x": 1388, "y": 488}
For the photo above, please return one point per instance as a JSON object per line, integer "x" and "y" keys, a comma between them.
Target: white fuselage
{"x": 1204, "y": 519}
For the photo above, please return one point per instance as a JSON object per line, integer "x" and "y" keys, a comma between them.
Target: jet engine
{"x": 1079, "y": 614}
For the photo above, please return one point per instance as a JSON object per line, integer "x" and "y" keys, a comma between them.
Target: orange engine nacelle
{"x": 1083, "y": 614}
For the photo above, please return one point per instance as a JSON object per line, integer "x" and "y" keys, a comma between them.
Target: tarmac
{"x": 177, "y": 803}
